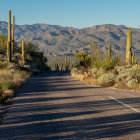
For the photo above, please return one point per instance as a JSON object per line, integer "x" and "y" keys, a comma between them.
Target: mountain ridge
{"x": 57, "y": 40}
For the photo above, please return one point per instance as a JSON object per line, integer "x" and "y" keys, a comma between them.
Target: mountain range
{"x": 55, "y": 40}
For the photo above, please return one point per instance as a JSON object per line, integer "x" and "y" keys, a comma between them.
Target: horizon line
{"x": 138, "y": 26}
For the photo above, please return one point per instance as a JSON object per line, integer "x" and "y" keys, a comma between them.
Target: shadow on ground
{"x": 39, "y": 113}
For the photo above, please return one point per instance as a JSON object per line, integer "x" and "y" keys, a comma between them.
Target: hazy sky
{"x": 74, "y": 13}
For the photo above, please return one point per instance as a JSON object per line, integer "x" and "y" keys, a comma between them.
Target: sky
{"x": 73, "y": 13}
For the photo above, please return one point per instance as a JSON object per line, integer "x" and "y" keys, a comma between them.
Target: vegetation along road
{"x": 55, "y": 106}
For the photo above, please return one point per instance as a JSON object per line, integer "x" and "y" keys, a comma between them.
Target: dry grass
{"x": 138, "y": 87}
{"x": 10, "y": 81}
{"x": 121, "y": 85}
{"x": 90, "y": 80}
{"x": 80, "y": 77}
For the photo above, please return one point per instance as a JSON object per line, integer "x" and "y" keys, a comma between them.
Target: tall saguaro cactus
{"x": 8, "y": 51}
{"x": 109, "y": 50}
{"x": 128, "y": 49}
{"x": 23, "y": 52}
{"x": 12, "y": 47}
{"x": 133, "y": 57}
{"x": 9, "y": 37}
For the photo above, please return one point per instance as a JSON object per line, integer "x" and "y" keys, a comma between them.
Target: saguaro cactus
{"x": 128, "y": 49}
{"x": 109, "y": 50}
{"x": 65, "y": 64}
{"x": 8, "y": 51}
{"x": 117, "y": 58}
{"x": 23, "y": 52}
{"x": 133, "y": 57}
{"x": 9, "y": 37}
{"x": 12, "y": 47}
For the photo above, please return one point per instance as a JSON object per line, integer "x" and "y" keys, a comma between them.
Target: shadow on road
{"x": 43, "y": 110}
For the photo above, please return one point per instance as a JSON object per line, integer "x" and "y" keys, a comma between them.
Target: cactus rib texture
{"x": 133, "y": 57}
{"x": 9, "y": 37}
{"x": 128, "y": 49}
{"x": 109, "y": 50}
{"x": 12, "y": 46}
{"x": 8, "y": 51}
{"x": 23, "y": 52}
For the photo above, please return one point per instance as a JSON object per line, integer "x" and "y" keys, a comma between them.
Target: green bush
{"x": 96, "y": 62}
{"x": 23, "y": 74}
{"x": 109, "y": 63}
{"x": 3, "y": 65}
{"x": 3, "y": 44}
{"x": 106, "y": 64}
{"x": 83, "y": 58}
{"x": 31, "y": 48}
{"x": 6, "y": 85}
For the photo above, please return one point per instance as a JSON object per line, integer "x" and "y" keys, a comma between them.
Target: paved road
{"x": 55, "y": 106}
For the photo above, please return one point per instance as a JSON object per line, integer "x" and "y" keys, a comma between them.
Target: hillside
{"x": 58, "y": 40}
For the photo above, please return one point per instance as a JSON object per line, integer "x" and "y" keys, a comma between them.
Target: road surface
{"x": 55, "y": 106}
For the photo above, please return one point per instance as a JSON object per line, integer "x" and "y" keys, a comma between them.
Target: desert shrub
{"x": 77, "y": 71}
{"x": 128, "y": 73}
{"x": 96, "y": 56}
{"x": 132, "y": 83}
{"x": 129, "y": 77}
{"x": 33, "y": 58}
{"x": 11, "y": 65}
{"x": 120, "y": 69}
{"x": 3, "y": 65}
{"x": 6, "y": 84}
{"x": 107, "y": 79}
{"x": 136, "y": 70}
{"x": 96, "y": 62}
{"x": 123, "y": 69}
{"x": 93, "y": 71}
{"x": 109, "y": 63}
{"x": 2, "y": 57}
{"x": 101, "y": 72}
{"x": 83, "y": 58}
{"x": 31, "y": 48}
{"x": 125, "y": 76}
{"x": 3, "y": 44}
{"x": 122, "y": 62}
{"x": 6, "y": 75}
{"x": 74, "y": 70}
{"x": 96, "y": 72}
{"x": 103, "y": 63}
{"x": 22, "y": 73}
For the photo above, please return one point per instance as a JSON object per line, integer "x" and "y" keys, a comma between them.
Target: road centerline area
{"x": 124, "y": 104}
